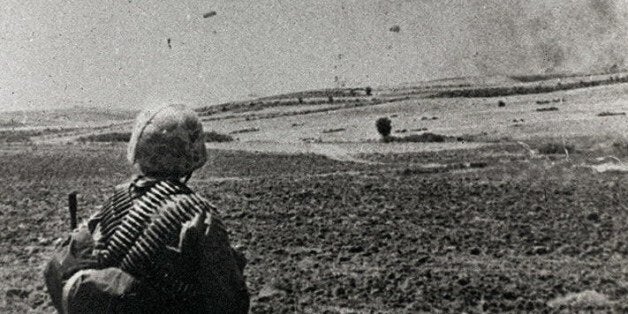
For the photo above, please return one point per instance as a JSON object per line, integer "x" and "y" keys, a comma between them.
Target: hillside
{"x": 334, "y": 121}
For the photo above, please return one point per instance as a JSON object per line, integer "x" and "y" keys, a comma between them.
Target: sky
{"x": 116, "y": 54}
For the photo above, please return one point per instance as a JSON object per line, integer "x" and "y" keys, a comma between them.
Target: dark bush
{"x": 334, "y": 130}
{"x": 383, "y": 126}
{"x": 500, "y": 91}
{"x": 501, "y": 103}
{"x": 107, "y": 137}
{"x": 428, "y": 138}
{"x": 368, "y": 91}
{"x": 556, "y": 148}
{"x": 423, "y": 138}
{"x": 607, "y": 113}
{"x": 26, "y": 135}
{"x": 249, "y": 130}
{"x": 217, "y": 137}
{"x": 547, "y": 109}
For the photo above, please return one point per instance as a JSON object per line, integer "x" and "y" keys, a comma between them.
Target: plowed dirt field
{"x": 491, "y": 229}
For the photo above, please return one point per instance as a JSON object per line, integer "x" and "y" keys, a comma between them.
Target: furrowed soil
{"x": 491, "y": 229}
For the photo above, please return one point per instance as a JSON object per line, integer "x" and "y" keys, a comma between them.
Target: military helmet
{"x": 167, "y": 142}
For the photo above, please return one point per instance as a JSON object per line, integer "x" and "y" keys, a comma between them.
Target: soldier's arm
{"x": 219, "y": 268}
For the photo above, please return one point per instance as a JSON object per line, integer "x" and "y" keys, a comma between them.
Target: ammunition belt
{"x": 136, "y": 227}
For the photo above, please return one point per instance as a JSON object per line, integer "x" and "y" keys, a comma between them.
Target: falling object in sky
{"x": 209, "y": 14}
{"x": 395, "y": 29}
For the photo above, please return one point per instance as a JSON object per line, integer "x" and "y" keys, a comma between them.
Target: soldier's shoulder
{"x": 122, "y": 186}
{"x": 113, "y": 190}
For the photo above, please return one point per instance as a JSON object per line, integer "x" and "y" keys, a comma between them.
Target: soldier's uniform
{"x": 156, "y": 246}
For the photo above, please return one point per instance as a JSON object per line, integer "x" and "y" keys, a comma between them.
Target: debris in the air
{"x": 395, "y": 29}
{"x": 169, "y": 45}
{"x": 209, "y": 14}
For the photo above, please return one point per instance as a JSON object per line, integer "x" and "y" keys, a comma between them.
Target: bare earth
{"x": 334, "y": 221}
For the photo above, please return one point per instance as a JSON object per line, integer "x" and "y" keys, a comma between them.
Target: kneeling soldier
{"x": 156, "y": 246}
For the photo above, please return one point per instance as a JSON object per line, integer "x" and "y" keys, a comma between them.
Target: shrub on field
{"x": 427, "y": 138}
{"x": 423, "y": 138}
{"x": 334, "y": 130}
{"x": 368, "y": 91}
{"x": 383, "y": 127}
{"x": 217, "y": 137}
{"x": 501, "y": 103}
{"x": 556, "y": 148}
{"x": 547, "y": 109}
{"x": 608, "y": 113}
{"x": 107, "y": 137}
{"x": 249, "y": 130}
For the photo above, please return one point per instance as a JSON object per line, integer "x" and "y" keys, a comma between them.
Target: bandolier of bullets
{"x": 136, "y": 227}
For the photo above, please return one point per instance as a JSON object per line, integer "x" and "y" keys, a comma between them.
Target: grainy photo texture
{"x": 275, "y": 156}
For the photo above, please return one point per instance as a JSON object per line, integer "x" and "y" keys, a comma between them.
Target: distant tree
{"x": 368, "y": 91}
{"x": 331, "y": 99}
{"x": 501, "y": 103}
{"x": 383, "y": 126}
{"x": 300, "y": 99}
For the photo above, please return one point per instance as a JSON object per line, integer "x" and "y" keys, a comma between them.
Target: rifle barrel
{"x": 72, "y": 208}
